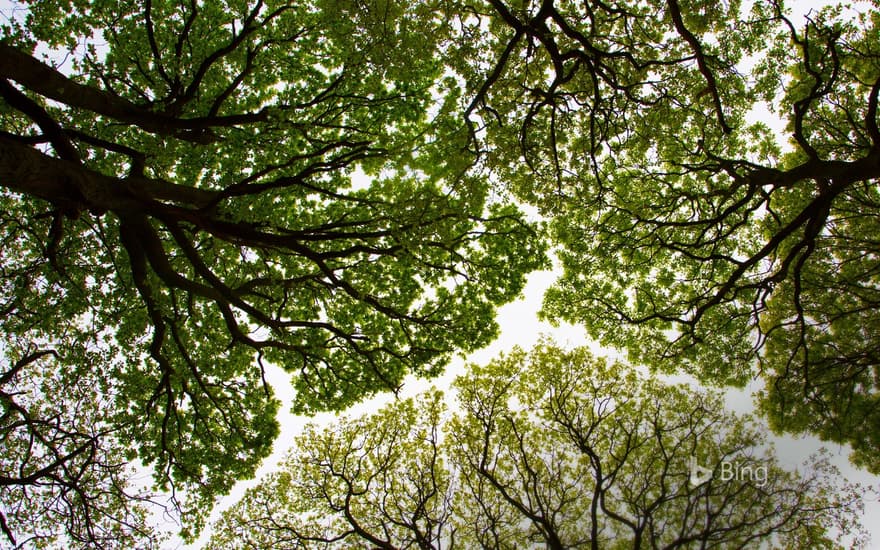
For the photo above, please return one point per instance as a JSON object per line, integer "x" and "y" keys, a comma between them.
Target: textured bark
{"x": 67, "y": 184}
{"x": 48, "y": 82}
{"x": 44, "y": 80}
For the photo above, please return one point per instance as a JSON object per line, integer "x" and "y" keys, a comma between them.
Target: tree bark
{"x": 66, "y": 184}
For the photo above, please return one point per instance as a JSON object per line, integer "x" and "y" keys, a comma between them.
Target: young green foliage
{"x": 686, "y": 236}
{"x": 200, "y": 187}
{"x": 553, "y": 448}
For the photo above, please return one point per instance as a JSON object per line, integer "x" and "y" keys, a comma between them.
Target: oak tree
{"x": 61, "y": 469}
{"x": 192, "y": 189}
{"x": 688, "y": 234}
{"x": 554, "y": 449}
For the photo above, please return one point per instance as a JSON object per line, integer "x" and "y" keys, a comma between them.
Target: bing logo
{"x": 697, "y": 475}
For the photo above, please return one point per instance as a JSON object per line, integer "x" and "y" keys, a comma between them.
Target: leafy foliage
{"x": 200, "y": 187}
{"x": 189, "y": 190}
{"x": 688, "y": 235}
{"x": 541, "y": 454}
{"x": 62, "y": 468}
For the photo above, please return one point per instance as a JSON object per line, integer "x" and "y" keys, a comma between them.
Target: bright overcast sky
{"x": 521, "y": 327}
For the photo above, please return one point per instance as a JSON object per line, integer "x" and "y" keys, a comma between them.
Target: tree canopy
{"x": 688, "y": 234}
{"x": 539, "y": 454}
{"x": 191, "y": 189}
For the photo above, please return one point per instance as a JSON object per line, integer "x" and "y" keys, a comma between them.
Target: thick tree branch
{"x": 51, "y": 129}
{"x": 871, "y": 115}
{"x": 705, "y": 70}
{"x": 26, "y": 170}
{"x": 48, "y": 82}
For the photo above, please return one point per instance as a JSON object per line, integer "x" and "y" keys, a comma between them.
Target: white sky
{"x": 520, "y": 326}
